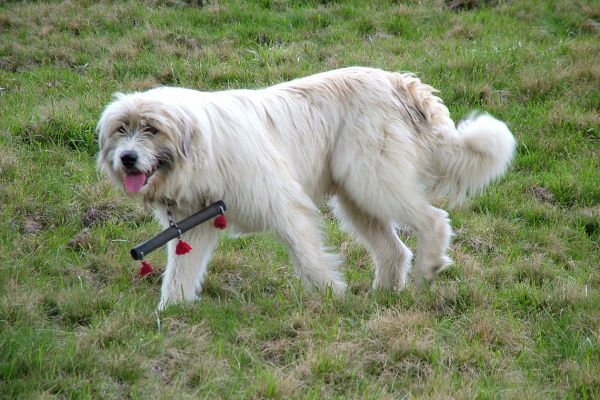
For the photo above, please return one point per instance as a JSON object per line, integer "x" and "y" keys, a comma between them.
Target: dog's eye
{"x": 151, "y": 130}
{"x": 122, "y": 129}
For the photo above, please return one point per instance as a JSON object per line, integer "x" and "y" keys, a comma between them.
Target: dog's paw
{"x": 335, "y": 288}
{"x": 339, "y": 288}
{"x": 393, "y": 285}
{"x": 424, "y": 276}
{"x": 161, "y": 306}
{"x": 166, "y": 302}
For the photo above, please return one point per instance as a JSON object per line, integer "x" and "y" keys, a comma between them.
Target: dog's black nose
{"x": 129, "y": 158}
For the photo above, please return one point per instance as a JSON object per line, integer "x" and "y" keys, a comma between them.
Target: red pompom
{"x": 182, "y": 248}
{"x": 145, "y": 269}
{"x": 220, "y": 222}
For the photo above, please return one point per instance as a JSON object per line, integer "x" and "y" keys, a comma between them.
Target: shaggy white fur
{"x": 379, "y": 144}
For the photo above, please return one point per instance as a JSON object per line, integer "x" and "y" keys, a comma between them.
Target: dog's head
{"x": 143, "y": 138}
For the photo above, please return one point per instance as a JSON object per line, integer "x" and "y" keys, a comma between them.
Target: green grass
{"x": 517, "y": 316}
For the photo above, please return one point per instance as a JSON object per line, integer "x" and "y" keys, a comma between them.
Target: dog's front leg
{"x": 185, "y": 273}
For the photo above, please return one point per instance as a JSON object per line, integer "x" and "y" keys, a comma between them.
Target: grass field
{"x": 517, "y": 316}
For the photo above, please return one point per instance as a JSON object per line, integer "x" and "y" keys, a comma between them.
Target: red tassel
{"x": 182, "y": 248}
{"x": 220, "y": 222}
{"x": 145, "y": 269}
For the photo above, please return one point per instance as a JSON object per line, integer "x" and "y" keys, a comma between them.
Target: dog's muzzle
{"x": 129, "y": 159}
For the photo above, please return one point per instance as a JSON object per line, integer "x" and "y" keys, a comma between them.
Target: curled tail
{"x": 480, "y": 152}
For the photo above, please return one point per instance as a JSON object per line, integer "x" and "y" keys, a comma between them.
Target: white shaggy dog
{"x": 380, "y": 144}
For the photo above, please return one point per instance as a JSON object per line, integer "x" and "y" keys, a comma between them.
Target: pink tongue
{"x": 134, "y": 182}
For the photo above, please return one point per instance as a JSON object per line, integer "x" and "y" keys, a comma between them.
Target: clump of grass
{"x": 59, "y": 131}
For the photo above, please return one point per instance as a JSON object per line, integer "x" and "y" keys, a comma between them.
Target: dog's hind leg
{"x": 432, "y": 229}
{"x": 392, "y": 258}
{"x": 406, "y": 205}
{"x": 185, "y": 273}
{"x": 433, "y": 238}
{"x": 297, "y": 224}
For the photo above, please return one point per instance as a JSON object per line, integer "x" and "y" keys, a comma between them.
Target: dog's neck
{"x": 177, "y": 208}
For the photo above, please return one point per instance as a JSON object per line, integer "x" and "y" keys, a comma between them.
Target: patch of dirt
{"x": 494, "y": 97}
{"x": 165, "y": 367}
{"x": 591, "y": 26}
{"x": 81, "y": 240}
{"x": 461, "y": 32}
{"x": 234, "y": 281}
{"x": 542, "y": 194}
{"x": 180, "y": 3}
{"x": 94, "y": 215}
{"x": 465, "y": 5}
{"x": 174, "y": 325}
{"x": 188, "y": 41}
{"x": 478, "y": 244}
{"x": 7, "y": 64}
{"x": 31, "y": 225}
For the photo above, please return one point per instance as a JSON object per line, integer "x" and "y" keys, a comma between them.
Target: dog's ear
{"x": 116, "y": 96}
{"x": 181, "y": 126}
{"x": 106, "y": 118}
{"x": 193, "y": 142}
{"x": 185, "y": 141}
